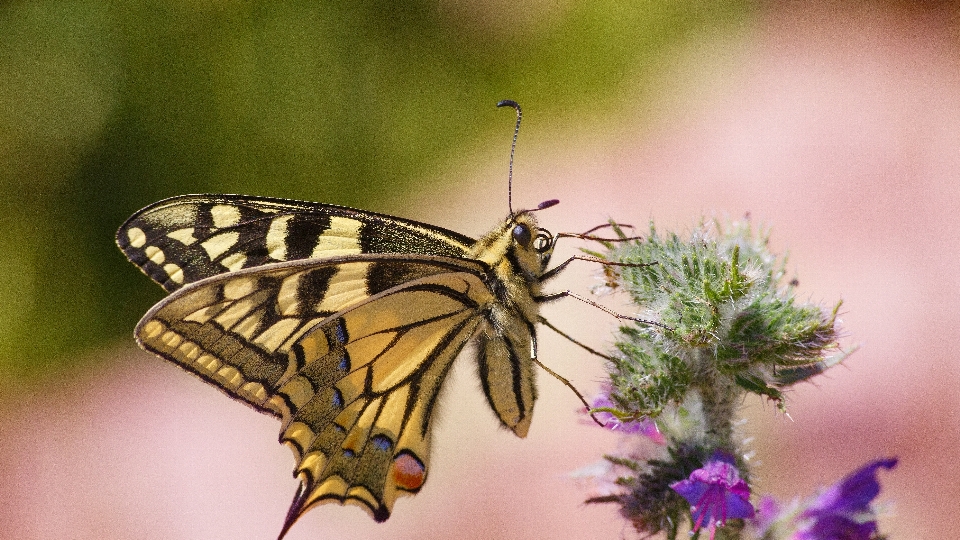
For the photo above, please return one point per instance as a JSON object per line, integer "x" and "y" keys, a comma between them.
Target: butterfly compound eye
{"x": 522, "y": 235}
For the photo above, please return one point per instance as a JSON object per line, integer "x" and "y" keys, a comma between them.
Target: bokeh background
{"x": 837, "y": 124}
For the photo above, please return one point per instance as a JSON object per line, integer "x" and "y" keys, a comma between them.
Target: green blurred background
{"x": 108, "y": 106}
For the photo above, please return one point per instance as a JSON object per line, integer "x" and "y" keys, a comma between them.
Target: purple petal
{"x": 738, "y": 507}
{"x": 852, "y": 494}
{"x": 691, "y": 490}
{"x": 768, "y": 512}
{"x": 716, "y": 493}
{"x": 834, "y": 527}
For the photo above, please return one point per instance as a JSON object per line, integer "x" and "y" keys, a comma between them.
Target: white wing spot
{"x": 225, "y": 215}
{"x": 174, "y": 272}
{"x": 231, "y": 377}
{"x": 208, "y": 362}
{"x": 189, "y": 350}
{"x": 271, "y": 338}
{"x": 277, "y": 405}
{"x": 184, "y": 236}
{"x": 253, "y": 391}
{"x": 137, "y": 237}
{"x": 341, "y": 238}
{"x": 234, "y": 262}
{"x": 220, "y": 244}
{"x": 277, "y": 238}
{"x": 152, "y": 329}
{"x": 155, "y": 254}
{"x": 347, "y": 287}
{"x": 171, "y": 339}
{"x": 236, "y": 289}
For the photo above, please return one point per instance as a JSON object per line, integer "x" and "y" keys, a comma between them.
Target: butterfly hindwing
{"x": 354, "y": 382}
{"x": 187, "y": 238}
{"x": 365, "y": 437}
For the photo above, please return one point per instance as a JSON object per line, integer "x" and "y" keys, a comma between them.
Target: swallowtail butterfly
{"x": 343, "y": 324}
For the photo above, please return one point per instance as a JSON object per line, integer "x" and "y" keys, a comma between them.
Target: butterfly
{"x": 343, "y": 323}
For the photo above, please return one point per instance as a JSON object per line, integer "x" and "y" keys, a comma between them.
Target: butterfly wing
{"x": 187, "y": 238}
{"x": 349, "y": 355}
{"x": 343, "y": 324}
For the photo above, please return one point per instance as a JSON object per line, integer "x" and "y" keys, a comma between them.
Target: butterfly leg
{"x": 552, "y": 273}
{"x": 561, "y": 378}
{"x": 569, "y": 385}
{"x": 573, "y": 340}
{"x": 587, "y": 235}
{"x": 606, "y": 226}
{"x": 564, "y": 294}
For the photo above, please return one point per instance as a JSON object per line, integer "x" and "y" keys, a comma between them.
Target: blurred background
{"x": 836, "y": 124}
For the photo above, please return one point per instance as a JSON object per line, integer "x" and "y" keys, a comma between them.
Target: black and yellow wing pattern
{"x": 343, "y": 324}
{"x": 184, "y": 239}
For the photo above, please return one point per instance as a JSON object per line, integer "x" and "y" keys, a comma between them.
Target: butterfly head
{"x": 531, "y": 245}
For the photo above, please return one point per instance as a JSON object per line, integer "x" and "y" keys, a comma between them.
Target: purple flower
{"x": 842, "y": 512}
{"x": 716, "y": 493}
{"x": 645, "y": 426}
{"x": 769, "y": 511}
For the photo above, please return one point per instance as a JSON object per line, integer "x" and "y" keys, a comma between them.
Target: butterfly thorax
{"x": 517, "y": 253}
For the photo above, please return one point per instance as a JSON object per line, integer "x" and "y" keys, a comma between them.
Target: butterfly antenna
{"x": 513, "y": 149}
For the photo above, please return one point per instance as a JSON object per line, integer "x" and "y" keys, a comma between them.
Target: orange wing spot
{"x": 408, "y": 472}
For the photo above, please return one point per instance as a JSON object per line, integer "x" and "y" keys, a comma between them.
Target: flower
{"x": 843, "y": 512}
{"x": 769, "y": 513}
{"x": 716, "y": 493}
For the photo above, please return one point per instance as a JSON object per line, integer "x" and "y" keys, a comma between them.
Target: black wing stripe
{"x": 303, "y": 233}
{"x": 188, "y": 238}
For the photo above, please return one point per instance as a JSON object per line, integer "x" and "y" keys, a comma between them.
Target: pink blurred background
{"x": 839, "y": 128}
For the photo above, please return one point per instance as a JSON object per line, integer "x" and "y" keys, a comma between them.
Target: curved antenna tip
{"x": 508, "y": 103}
{"x": 548, "y": 204}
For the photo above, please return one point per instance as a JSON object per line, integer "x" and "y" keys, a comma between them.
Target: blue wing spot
{"x": 337, "y": 398}
{"x": 349, "y": 453}
{"x": 381, "y": 442}
{"x": 341, "y": 332}
{"x": 344, "y": 364}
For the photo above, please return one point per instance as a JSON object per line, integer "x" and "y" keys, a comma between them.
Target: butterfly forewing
{"x": 191, "y": 237}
